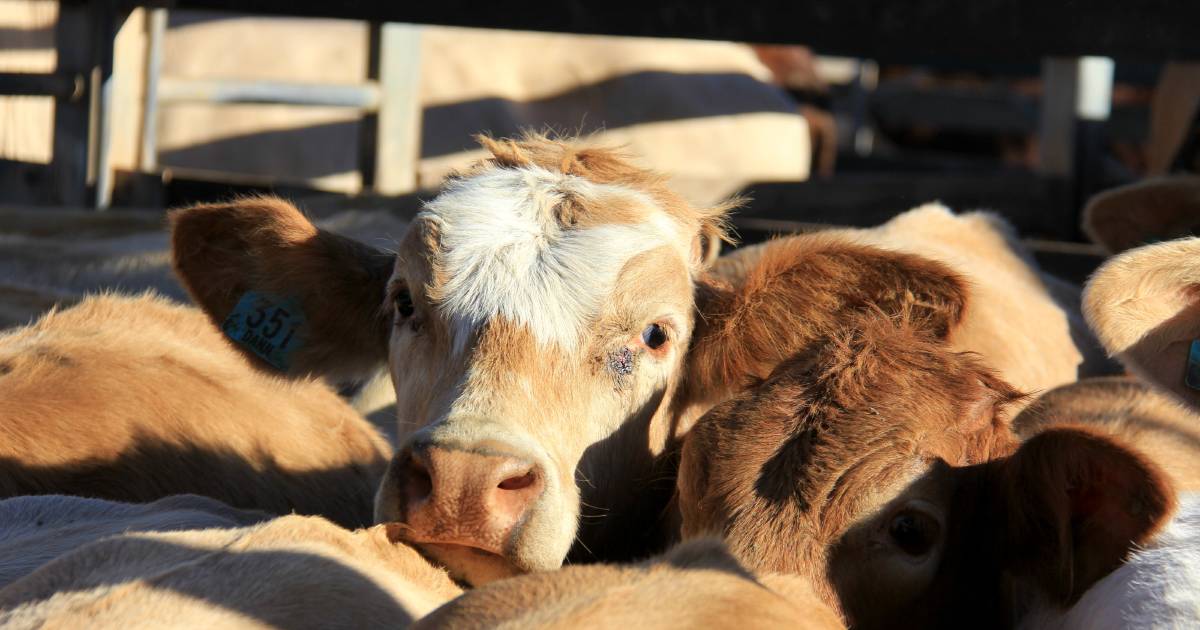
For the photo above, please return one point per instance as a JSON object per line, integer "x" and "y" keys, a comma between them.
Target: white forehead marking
{"x": 504, "y": 253}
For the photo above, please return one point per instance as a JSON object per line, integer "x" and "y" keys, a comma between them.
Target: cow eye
{"x": 913, "y": 532}
{"x": 654, "y": 336}
{"x": 404, "y": 303}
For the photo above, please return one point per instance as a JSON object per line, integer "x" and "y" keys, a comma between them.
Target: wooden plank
{"x": 1037, "y": 206}
{"x": 398, "y": 135}
{"x": 156, "y": 33}
{"x": 916, "y": 30}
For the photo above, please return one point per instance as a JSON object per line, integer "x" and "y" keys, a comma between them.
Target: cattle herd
{"x": 602, "y": 422}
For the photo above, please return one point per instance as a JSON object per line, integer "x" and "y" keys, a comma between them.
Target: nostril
{"x": 418, "y": 484}
{"x": 519, "y": 482}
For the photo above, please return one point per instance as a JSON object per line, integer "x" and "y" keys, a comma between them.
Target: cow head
{"x": 882, "y": 466}
{"x": 535, "y": 318}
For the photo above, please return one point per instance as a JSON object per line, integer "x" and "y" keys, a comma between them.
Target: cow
{"x": 1009, "y": 309}
{"x": 882, "y": 466}
{"x": 890, "y": 469}
{"x": 695, "y": 584}
{"x": 290, "y": 572}
{"x": 135, "y": 398}
{"x": 536, "y": 318}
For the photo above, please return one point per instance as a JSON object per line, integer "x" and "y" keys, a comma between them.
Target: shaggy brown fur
{"x": 697, "y": 584}
{"x": 799, "y": 289}
{"x": 880, "y": 424}
{"x": 136, "y": 398}
{"x": 1132, "y": 411}
{"x": 292, "y": 572}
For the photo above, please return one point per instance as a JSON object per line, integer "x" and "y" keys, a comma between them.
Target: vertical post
{"x": 369, "y": 126}
{"x": 1056, "y": 132}
{"x": 156, "y": 30}
{"x": 1076, "y": 102}
{"x": 398, "y": 139}
{"x": 70, "y": 153}
{"x": 107, "y": 18}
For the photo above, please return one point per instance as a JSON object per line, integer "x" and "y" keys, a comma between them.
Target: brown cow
{"x": 697, "y": 584}
{"x": 550, "y": 295}
{"x": 137, "y": 398}
{"x": 882, "y": 466}
{"x": 291, "y": 572}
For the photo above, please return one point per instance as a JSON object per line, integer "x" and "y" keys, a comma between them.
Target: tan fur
{"x": 1143, "y": 306}
{"x": 136, "y": 398}
{"x": 1013, "y": 319}
{"x": 293, "y": 572}
{"x": 697, "y": 584}
{"x": 881, "y": 423}
{"x": 1157, "y": 209}
{"x": 1139, "y": 415}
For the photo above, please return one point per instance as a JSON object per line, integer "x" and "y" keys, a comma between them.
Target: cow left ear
{"x": 1076, "y": 503}
{"x": 1144, "y": 306}
{"x": 292, "y": 297}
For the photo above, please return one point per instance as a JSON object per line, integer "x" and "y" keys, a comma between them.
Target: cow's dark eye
{"x": 913, "y": 532}
{"x": 654, "y": 336}
{"x": 404, "y": 303}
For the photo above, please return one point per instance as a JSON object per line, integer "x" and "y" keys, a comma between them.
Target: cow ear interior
{"x": 1144, "y": 306}
{"x": 1076, "y": 503}
{"x": 262, "y": 256}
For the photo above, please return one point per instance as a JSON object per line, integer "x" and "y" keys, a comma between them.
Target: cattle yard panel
{"x": 925, "y": 29}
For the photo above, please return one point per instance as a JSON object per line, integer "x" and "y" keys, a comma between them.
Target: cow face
{"x": 550, "y": 310}
{"x": 537, "y": 310}
{"x": 881, "y": 466}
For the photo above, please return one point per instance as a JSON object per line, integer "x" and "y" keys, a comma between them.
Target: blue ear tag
{"x": 1192, "y": 378}
{"x": 268, "y": 326}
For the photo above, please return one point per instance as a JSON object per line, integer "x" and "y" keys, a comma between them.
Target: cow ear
{"x": 1144, "y": 306}
{"x": 1076, "y": 503}
{"x": 792, "y": 291}
{"x": 1146, "y": 212}
{"x": 260, "y": 261}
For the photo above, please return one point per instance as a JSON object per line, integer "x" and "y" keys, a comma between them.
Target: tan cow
{"x": 881, "y": 465}
{"x": 137, "y": 398}
{"x": 1015, "y": 312}
{"x": 536, "y": 321}
{"x": 695, "y": 585}
{"x": 291, "y": 572}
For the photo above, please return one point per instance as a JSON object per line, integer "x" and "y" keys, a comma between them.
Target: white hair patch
{"x": 505, "y": 254}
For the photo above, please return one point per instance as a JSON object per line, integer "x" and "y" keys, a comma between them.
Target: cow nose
{"x": 471, "y": 496}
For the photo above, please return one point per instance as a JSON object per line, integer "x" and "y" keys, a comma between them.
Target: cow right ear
{"x": 1076, "y": 503}
{"x": 1144, "y": 306}
{"x": 294, "y": 298}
